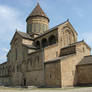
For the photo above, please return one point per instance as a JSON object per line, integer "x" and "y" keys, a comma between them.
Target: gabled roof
{"x": 23, "y": 35}
{"x": 37, "y": 11}
{"x": 86, "y": 60}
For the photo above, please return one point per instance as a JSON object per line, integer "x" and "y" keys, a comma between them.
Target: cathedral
{"x": 46, "y": 57}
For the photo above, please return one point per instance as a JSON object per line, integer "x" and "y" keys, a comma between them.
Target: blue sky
{"x": 13, "y": 14}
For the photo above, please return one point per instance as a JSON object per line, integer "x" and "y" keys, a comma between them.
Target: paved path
{"x": 87, "y": 89}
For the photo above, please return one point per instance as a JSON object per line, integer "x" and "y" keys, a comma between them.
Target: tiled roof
{"x": 24, "y": 35}
{"x": 37, "y": 11}
{"x": 86, "y": 60}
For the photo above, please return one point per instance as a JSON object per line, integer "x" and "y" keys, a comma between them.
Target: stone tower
{"x": 37, "y": 21}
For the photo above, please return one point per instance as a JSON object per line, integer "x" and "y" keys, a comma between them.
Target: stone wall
{"x": 68, "y": 70}
{"x": 35, "y": 73}
{"x": 35, "y": 78}
{"x": 53, "y": 74}
{"x": 51, "y": 52}
{"x": 31, "y": 70}
{"x": 83, "y": 49}
{"x": 84, "y": 74}
{"x": 6, "y": 81}
{"x": 69, "y": 63}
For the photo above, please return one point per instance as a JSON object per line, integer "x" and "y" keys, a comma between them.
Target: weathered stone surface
{"x": 46, "y": 57}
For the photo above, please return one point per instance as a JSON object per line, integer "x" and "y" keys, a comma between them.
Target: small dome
{"x": 37, "y": 11}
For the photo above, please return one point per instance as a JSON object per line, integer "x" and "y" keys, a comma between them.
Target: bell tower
{"x": 37, "y": 21}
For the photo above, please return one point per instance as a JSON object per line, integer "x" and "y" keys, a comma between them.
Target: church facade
{"x": 45, "y": 57}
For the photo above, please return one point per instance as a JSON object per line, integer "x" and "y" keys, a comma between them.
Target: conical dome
{"x": 37, "y": 21}
{"x": 37, "y": 11}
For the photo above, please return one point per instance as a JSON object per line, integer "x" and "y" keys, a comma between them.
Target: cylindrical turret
{"x": 37, "y": 22}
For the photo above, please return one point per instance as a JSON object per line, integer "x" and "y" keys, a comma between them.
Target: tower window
{"x": 39, "y": 28}
{"x": 34, "y": 27}
{"x": 30, "y": 28}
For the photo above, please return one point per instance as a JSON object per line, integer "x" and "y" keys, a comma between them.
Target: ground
{"x": 77, "y": 89}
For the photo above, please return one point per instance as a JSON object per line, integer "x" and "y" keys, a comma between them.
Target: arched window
{"x": 52, "y": 39}
{"x": 44, "y": 42}
{"x": 70, "y": 37}
{"x": 38, "y": 44}
{"x": 67, "y": 37}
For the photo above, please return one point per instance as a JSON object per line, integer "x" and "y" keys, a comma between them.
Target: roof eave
{"x": 37, "y": 16}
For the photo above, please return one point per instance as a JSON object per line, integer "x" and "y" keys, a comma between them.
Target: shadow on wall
{"x": 75, "y": 82}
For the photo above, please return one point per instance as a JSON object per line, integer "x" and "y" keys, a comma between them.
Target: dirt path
{"x": 86, "y": 89}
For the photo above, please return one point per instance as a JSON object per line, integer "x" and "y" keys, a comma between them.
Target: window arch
{"x": 69, "y": 37}
{"x": 52, "y": 39}
{"x": 44, "y": 42}
{"x": 38, "y": 44}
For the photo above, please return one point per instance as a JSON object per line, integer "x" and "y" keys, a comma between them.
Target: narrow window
{"x": 39, "y": 28}
{"x": 56, "y": 53}
{"x": 34, "y": 27}
{"x": 16, "y": 53}
{"x": 50, "y": 76}
{"x": 83, "y": 49}
{"x": 38, "y": 59}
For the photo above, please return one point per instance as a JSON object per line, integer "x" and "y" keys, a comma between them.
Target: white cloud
{"x": 3, "y": 52}
{"x": 10, "y": 19}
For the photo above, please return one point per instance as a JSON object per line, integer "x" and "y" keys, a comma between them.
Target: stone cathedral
{"x": 45, "y": 57}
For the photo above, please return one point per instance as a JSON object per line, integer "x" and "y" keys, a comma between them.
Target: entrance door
{"x": 24, "y": 82}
